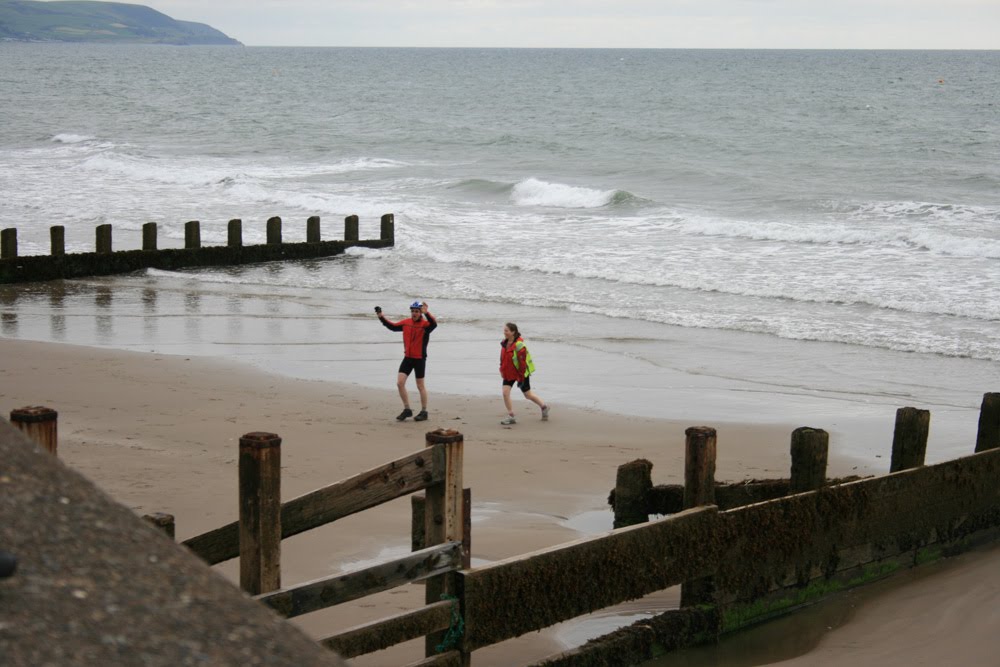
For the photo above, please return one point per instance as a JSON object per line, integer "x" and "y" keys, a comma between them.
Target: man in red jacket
{"x": 416, "y": 334}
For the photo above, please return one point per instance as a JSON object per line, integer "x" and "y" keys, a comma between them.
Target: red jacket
{"x": 416, "y": 335}
{"x": 507, "y": 369}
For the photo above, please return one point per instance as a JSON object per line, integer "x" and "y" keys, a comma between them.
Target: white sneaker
{"x": 545, "y": 413}
{"x": 508, "y": 420}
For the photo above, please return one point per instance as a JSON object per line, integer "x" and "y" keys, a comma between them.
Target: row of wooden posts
{"x": 634, "y": 497}
{"x": 192, "y": 235}
{"x": 488, "y": 598}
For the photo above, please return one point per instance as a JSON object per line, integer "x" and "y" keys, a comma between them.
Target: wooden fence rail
{"x": 371, "y": 488}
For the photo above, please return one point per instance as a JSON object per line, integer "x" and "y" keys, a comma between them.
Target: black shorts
{"x": 524, "y": 385}
{"x": 411, "y": 364}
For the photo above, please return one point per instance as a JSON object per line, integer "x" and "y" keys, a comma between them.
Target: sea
{"x": 798, "y": 236}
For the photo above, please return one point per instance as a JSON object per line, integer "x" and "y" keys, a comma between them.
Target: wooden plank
{"x": 354, "y": 494}
{"x": 568, "y": 580}
{"x": 390, "y": 631}
{"x": 449, "y": 659}
{"x": 329, "y": 591}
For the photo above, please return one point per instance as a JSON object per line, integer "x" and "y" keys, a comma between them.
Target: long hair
{"x": 513, "y": 327}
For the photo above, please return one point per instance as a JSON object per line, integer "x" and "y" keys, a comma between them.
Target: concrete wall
{"x": 96, "y": 585}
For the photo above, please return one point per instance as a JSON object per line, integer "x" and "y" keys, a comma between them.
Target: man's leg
{"x": 423, "y": 393}
{"x": 401, "y": 386}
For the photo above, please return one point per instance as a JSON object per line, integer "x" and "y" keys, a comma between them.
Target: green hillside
{"x": 105, "y": 22}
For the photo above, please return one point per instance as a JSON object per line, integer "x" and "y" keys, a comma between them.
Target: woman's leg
{"x": 534, "y": 398}
{"x": 506, "y": 400}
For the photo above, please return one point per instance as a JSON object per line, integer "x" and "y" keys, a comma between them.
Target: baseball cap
{"x": 415, "y": 304}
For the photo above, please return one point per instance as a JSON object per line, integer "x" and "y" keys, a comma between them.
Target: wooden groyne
{"x": 739, "y": 556}
{"x": 15, "y": 268}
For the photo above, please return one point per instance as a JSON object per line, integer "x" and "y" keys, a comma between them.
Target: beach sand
{"x": 160, "y": 433}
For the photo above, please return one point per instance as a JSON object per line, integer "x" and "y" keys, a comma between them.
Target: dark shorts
{"x": 524, "y": 385}
{"x": 410, "y": 364}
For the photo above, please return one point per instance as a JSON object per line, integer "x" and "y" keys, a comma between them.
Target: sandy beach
{"x": 159, "y": 433}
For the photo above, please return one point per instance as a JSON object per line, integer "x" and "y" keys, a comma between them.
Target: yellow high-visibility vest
{"x": 518, "y": 346}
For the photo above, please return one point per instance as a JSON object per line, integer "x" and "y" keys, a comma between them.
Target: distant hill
{"x": 104, "y": 22}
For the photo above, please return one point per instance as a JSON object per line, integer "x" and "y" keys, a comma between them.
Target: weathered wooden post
{"x": 235, "y": 233}
{"x": 632, "y": 486}
{"x": 274, "y": 231}
{"x": 192, "y": 234}
{"x": 417, "y": 519}
{"x": 388, "y": 229}
{"x": 988, "y": 436}
{"x": 260, "y": 513}
{"x": 40, "y": 424}
{"x": 8, "y": 243}
{"x": 699, "y": 489}
{"x": 57, "y": 240}
{"x": 103, "y": 242}
{"x": 164, "y": 522}
{"x": 351, "y": 228}
{"x": 443, "y": 520}
{"x": 149, "y": 236}
{"x": 909, "y": 439}
{"x": 312, "y": 229}
{"x": 810, "y": 447}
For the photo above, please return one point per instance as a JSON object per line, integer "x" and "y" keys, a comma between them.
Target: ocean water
{"x": 813, "y": 232}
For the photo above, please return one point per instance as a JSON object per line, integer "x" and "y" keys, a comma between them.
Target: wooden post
{"x": 388, "y": 232}
{"x": 443, "y": 520}
{"x": 632, "y": 486}
{"x": 466, "y": 528}
{"x": 8, "y": 243}
{"x": 149, "y": 236}
{"x": 810, "y": 447}
{"x": 312, "y": 229}
{"x": 192, "y": 234}
{"x": 260, "y": 513}
{"x": 57, "y": 240}
{"x": 909, "y": 440}
{"x": 417, "y": 537}
{"x": 40, "y": 424}
{"x": 164, "y": 522}
{"x": 988, "y": 436}
{"x": 274, "y": 231}
{"x": 417, "y": 513}
{"x": 351, "y": 228}
{"x": 699, "y": 489}
{"x": 235, "y": 233}
{"x": 103, "y": 242}
{"x": 699, "y": 467}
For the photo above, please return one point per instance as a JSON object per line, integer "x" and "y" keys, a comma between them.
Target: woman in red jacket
{"x": 516, "y": 366}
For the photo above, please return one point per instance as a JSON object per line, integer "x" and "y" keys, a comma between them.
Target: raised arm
{"x": 430, "y": 318}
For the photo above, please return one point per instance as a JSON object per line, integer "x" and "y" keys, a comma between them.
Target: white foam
{"x": 534, "y": 192}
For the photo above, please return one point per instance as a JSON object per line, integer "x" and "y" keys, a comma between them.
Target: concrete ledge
{"x": 96, "y": 585}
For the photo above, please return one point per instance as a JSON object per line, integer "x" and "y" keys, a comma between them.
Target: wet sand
{"x": 159, "y": 433}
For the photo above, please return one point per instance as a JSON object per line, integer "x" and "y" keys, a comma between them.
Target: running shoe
{"x": 545, "y": 413}
{"x": 421, "y": 416}
{"x": 405, "y": 414}
{"x": 508, "y": 420}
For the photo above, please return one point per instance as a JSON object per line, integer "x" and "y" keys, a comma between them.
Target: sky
{"x": 791, "y": 24}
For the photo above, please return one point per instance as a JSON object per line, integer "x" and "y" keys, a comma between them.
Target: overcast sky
{"x": 826, "y": 24}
